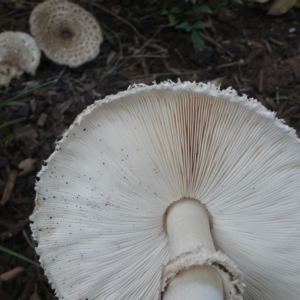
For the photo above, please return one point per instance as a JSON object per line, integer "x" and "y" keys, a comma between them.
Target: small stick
{"x": 14, "y": 229}
{"x": 10, "y": 184}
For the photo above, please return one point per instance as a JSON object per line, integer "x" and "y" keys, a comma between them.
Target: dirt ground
{"x": 256, "y": 54}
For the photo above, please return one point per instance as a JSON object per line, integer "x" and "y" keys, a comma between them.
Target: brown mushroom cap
{"x": 68, "y": 34}
{"x": 18, "y": 54}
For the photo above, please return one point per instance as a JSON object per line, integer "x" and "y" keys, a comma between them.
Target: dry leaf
{"x": 280, "y": 7}
{"x": 26, "y": 165}
{"x": 261, "y": 1}
{"x": 10, "y": 184}
{"x": 11, "y": 274}
{"x": 29, "y": 132}
{"x": 35, "y": 296}
{"x": 42, "y": 119}
{"x": 64, "y": 106}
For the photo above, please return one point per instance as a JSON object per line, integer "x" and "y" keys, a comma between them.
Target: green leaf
{"x": 13, "y": 253}
{"x": 175, "y": 10}
{"x": 189, "y": 14}
{"x": 199, "y": 25}
{"x": 5, "y": 124}
{"x": 197, "y": 40}
{"x": 224, "y": 10}
{"x": 218, "y": 81}
{"x": 172, "y": 19}
{"x": 204, "y": 9}
{"x": 185, "y": 25}
{"x": 25, "y": 93}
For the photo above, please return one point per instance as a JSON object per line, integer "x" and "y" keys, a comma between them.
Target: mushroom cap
{"x": 103, "y": 193}
{"x": 19, "y": 53}
{"x": 67, "y": 33}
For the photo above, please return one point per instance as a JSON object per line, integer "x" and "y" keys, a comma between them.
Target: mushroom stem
{"x": 188, "y": 228}
{"x": 195, "y": 283}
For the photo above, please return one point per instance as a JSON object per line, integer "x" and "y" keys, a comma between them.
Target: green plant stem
{"x": 25, "y": 93}
{"x": 13, "y": 253}
{"x": 12, "y": 134}
{"x": 5, "y": 124}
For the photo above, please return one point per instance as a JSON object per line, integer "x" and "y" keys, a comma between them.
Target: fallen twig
{"x": 14, "y": 229}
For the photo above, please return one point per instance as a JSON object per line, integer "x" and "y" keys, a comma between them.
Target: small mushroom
{"x": 172, "y": 191}
{"x": 67, "y": 33}
{"x": 18, "y": 54}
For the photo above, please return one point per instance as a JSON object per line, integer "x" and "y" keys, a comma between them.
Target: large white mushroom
{"x": 67, "y": 33}
{"x": 162, "y": 191}
{"x": 18, "y": 54}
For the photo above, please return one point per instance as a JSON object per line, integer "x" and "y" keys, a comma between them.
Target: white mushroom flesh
{"x": 103, "y": 194}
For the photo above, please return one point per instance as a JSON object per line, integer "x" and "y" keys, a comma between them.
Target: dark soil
{"x": 255, "y": 54}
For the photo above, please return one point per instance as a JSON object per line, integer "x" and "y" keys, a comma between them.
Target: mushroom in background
{"x": 67, "y": 33}
{"x": 162, "y": 191}
{"x": 18, "y": 54}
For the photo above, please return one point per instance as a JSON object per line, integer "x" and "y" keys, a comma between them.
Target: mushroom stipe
{"x": 172, "y": 191}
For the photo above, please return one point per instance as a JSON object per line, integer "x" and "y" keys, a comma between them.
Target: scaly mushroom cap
{"x": 102, "y": 197}
{"x": 18, "y": 54}
{"x": 67, "y": 33}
